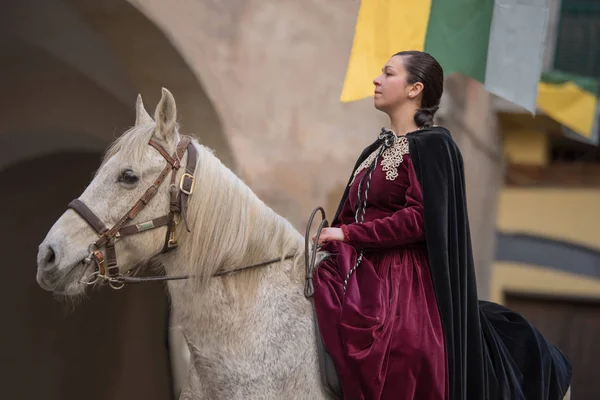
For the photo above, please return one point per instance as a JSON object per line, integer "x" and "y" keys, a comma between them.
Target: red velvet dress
{"x": 385, "y": 334}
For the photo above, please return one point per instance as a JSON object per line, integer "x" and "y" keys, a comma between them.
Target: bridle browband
{"x": 106, "y": 268}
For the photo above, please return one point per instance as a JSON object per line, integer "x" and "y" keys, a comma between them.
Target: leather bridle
{"x": 107, "y": 267}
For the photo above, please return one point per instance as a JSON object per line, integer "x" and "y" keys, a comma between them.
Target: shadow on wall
{"x": 113, "y": 345}
{"x": 97, "y": 55}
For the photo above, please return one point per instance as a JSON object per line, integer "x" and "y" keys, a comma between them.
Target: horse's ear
{"x": 141, "y": 115}
{"x": 165, "y": 116}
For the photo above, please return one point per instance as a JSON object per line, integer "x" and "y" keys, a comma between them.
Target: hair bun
{"x": 424, "y": 116}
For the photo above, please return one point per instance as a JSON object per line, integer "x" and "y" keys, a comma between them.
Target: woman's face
{"x": 392, "y": 88}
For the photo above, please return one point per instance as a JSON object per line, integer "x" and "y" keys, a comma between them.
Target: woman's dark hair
{"x": 422, "y": 67}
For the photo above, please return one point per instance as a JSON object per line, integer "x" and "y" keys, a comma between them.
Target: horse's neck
{"x": 224, "y": 308}
{"x": 267, "y": 344}
{"x": 253, "y": 329}
{"x": 257, "y": 345}
{"x": 217, "y": 310}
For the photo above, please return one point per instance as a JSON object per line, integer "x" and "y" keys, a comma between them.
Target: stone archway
{"x": 76, "y": 66}
{"x": 71, "y": 72}
{"x": 152, "y": 61}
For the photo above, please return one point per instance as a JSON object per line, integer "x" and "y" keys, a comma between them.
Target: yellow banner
{"x": 569, "y": 105}
{"x": 383, "y": 28}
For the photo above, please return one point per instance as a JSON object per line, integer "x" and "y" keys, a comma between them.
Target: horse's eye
{"x": 128, "y": 176}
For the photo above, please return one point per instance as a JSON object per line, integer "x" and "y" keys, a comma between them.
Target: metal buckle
{"x": 186, "y": 175}
{"x": 172, "y": 243}
{"x": 99, "y": 259}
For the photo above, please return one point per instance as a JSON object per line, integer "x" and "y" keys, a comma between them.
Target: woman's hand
{"x": 329, "y": 234}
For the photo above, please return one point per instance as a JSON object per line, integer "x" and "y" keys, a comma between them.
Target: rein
{"x": 133, "y": 279}
{"x": 106, "y": 268}
{"x": 308, "y": 258}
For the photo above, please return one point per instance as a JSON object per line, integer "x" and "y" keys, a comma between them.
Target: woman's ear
{"x": 415, "y": 90}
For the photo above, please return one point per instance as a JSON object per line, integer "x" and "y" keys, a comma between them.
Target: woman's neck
{"x": 402, "y": 120}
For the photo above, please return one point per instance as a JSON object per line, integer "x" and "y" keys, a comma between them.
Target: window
{"x": 565, "y": 150}
{"x": 578, "y": 39}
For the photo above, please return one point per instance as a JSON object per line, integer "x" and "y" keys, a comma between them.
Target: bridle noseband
{"x": 107, "y": 268}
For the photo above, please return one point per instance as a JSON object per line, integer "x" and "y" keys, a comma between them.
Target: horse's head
{"x": 129, "y": 171}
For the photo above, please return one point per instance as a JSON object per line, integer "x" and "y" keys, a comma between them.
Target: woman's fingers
{"x": 329, "y": 234}
{"x": 324, "y": 237}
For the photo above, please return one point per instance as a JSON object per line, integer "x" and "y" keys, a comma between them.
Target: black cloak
{"x": 493, "y": 352}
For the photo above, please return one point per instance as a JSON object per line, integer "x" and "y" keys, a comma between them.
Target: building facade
{"x": 258, "y": 82}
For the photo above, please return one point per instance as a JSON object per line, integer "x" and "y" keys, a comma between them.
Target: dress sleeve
{"x": 403, "y": 227}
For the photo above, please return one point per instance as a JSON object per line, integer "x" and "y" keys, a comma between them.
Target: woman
{"x": 396, "y": 299}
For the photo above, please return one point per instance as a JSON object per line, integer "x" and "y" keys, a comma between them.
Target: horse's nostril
{"x": 51, "y": 256}
{"x": 47, "y": 257}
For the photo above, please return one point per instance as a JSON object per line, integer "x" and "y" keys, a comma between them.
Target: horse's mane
{"x": 225, "y": 214}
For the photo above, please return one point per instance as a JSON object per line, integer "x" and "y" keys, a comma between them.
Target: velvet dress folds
{"x": 411, "y": 325}
{"x": 384, "y": 334}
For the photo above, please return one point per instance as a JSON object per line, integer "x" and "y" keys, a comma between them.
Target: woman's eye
{"x": 128, "y": 176}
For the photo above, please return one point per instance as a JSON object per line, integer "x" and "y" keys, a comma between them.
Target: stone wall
{"x": 274, "y": 71}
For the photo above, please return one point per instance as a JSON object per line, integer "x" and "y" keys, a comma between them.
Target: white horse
{"x": 250, "y": 333}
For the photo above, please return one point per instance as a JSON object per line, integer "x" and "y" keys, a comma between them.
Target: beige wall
{"x": 526, "y": 146}
{"x": 564, "y": 214}
{"x": 532, "y": 279}
{"x": 274, "y": 71}
{"x": 259, "y": 82}
{"x": 571, "y": 215}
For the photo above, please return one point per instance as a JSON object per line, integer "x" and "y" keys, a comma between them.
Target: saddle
{"x": 328, "y": 372}
{"x": 329, "y": 376}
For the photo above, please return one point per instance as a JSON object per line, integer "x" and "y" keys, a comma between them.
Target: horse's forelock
{"x": 132, "y": 144}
